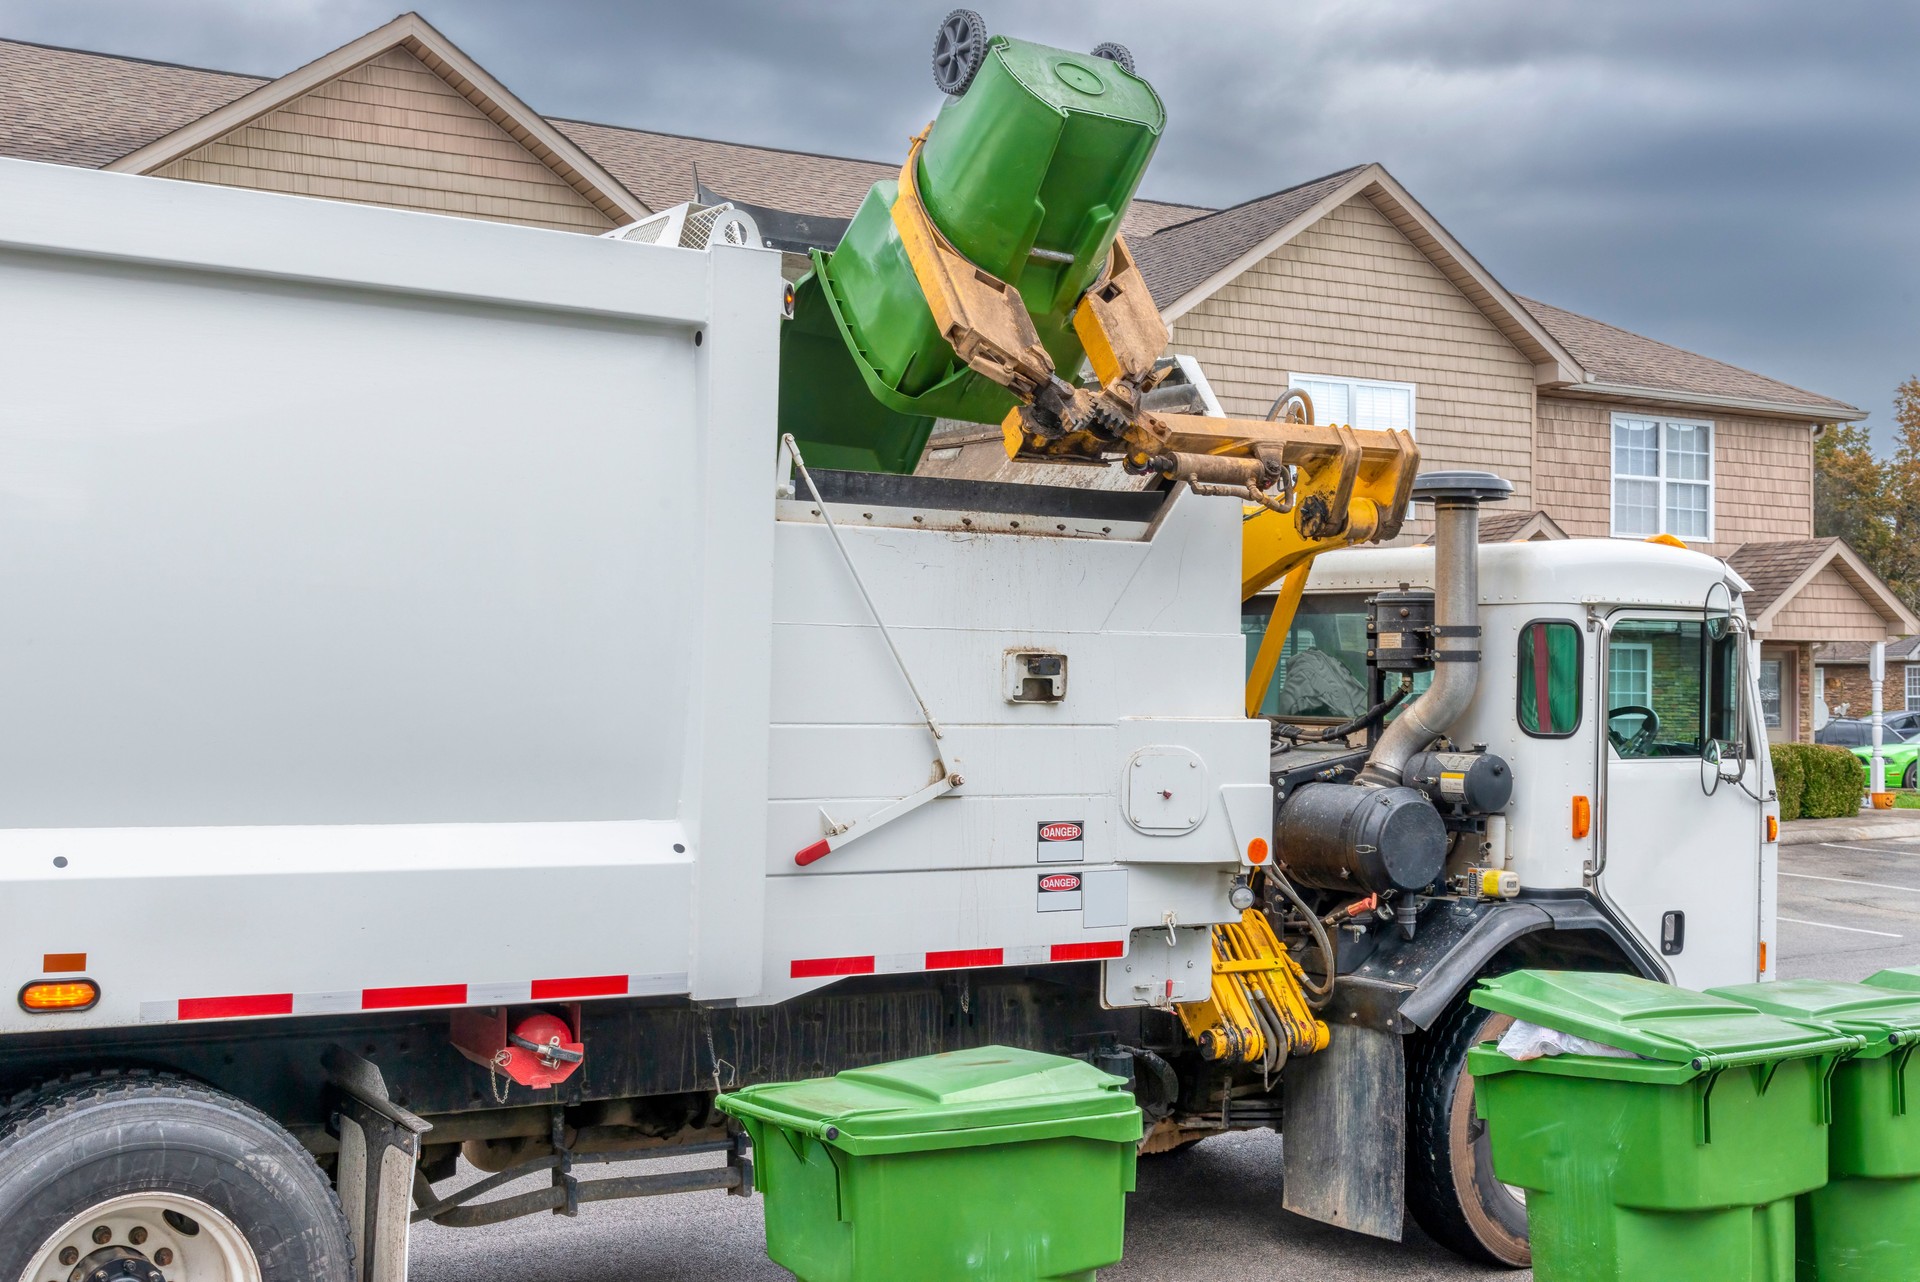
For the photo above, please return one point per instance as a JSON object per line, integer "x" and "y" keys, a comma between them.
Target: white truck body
{"x": 400, "y": 615}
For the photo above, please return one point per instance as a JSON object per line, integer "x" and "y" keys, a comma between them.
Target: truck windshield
{"x": 1322, "y": 674}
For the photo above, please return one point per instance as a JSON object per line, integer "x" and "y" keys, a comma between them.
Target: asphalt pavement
{"x": 1847, "y": 909}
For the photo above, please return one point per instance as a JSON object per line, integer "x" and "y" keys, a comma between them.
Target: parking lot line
{"x": 1856, "y": 930}
{"x": 1848, "y": 881}
{"x": 1869, "y": 850}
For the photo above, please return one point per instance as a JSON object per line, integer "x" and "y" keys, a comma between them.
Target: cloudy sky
{"x": 1739, "y": 177}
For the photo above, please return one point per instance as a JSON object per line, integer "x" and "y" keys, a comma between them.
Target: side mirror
{"x": 1719, "y": 611}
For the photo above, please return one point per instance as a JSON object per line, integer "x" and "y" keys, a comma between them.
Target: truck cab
{"x": 1617, "y": 689}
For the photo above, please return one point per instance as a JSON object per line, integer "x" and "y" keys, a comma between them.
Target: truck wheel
{"x": 1451, "y": 1189}
{"x": 137, "y": 1177}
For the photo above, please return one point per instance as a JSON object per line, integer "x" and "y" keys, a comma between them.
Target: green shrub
{"x": 1789, "y": 779}
{"x": 1834, "y": 781}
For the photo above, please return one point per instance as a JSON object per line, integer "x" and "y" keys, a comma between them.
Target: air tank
{"x": 1027, "y": 171}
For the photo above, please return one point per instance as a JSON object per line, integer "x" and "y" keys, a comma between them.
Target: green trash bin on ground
{"x": 1681, "y": 1165}
{"x": 993, "y": 1165}
{"x": 1865, "y": 1222}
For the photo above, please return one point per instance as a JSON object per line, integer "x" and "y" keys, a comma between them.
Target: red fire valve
{"x": 537, "y": 1052}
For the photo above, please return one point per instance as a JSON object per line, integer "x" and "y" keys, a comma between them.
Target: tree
{"x": 1874, "y": 505}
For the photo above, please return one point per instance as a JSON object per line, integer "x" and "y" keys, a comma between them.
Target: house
{"x": 1843, "y": 688}
{"x": 1344, "y": 286}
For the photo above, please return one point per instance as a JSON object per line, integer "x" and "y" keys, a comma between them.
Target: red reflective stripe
{"x": 817, "y": 850}
{"x": 418, "y": 995}
{"x": 814, "y": 967}
{"x": 963, "y": 957}
{"x": 236, "y": 1007}
{"x": 1542, "y": 696}
{"x": 1090, "y": 952}
{"x": 553, "y": 990}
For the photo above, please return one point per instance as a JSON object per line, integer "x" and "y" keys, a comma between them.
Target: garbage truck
{"x": 475, "y": 694}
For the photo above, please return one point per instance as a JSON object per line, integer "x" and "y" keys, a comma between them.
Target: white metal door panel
{"x": 1685, "y": 867}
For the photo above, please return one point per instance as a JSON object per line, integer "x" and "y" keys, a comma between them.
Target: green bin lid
{"x": 1656, "y": 1021}
{"x": 992, "y": 1095}
{"x": 1886, "y": 1019}
{"x": 1902, "y": 979}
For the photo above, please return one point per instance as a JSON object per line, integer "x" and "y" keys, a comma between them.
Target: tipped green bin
{"x": 1680, "y": 1165}
{"x": 1865, "y": 1223}
{"x": 993, "y": 1165}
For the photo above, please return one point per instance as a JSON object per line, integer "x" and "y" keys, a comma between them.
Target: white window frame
{"x": 1642, "y": 648}
{"x": 1660, "y": 480}
{"x": 1912, "y": 690}
{"x": 1411, "y": 389}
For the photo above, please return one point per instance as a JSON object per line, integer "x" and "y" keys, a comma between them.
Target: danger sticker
{"x": 1059, "y": 892}
{"x": 1061, "y": 841}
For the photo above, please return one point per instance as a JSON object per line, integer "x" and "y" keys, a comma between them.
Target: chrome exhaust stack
{"x": 1456, "y": 497}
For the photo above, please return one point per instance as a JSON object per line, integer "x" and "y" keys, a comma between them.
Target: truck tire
{"x": 132, "y": 1176}
{"x": 1451, "y": 1189}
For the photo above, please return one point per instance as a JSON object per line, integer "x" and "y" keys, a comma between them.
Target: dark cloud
{"x": 1739, "y": 177}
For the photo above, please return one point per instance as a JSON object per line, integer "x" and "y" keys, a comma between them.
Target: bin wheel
{"x": 1451, "y": 1189}
{"x": 1113, "y": 52}
{"x": 959, "y": 51}
{"x": 138, "y": 1176}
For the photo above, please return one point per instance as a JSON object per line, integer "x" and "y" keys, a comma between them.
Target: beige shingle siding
{"x": 1828, "y": 608}
{"x": 1352, "y": 297}
{"x": 391, "y": 132}
{"x": 1763, "y": 472}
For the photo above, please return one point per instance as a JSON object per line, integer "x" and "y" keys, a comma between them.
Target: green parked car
{"x": 1900, "y": 759}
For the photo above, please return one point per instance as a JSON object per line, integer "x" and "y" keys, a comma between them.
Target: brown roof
{"x": 72, "y": 107}
{"x": 1772, "y": 568}
{"x": 1620, "y": 357}
{"x": 1856, "y": 651}
{"x": 1180, "y": 257}
{"x": 659, "y": 169}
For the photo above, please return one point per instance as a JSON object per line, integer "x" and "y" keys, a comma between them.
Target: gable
{"x": 392, "y": 132}
{"x": 1350, "y": 296}
{"x": 1829, "y": 608}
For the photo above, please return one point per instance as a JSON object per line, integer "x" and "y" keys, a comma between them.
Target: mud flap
{"x": 1345, "y": 1133}
{"x": 379, "y": 1150}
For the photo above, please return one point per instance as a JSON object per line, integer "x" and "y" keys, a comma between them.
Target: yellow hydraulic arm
{"x": 1308, "y": 488}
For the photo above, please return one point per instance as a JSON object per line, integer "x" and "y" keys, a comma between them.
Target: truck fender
{"x": 1463, "y": 960}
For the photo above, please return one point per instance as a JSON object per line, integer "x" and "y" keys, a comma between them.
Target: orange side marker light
{"x": 1257, "y": 851}
{"x": 49, "y": 996}
{"x": 1582, "y": 817}
{"x": 1773, "y": 833}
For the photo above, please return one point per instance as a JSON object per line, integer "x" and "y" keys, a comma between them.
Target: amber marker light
{"x": 1773, "y": 829}
{"x": 53, "y": 996}
{"x": 1763, "y": 957}
{"x": 1257, "y": 851}
{"x": 1582, "y": 817}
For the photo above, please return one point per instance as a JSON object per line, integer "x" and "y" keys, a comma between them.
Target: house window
{"x": 1662, "y": 477}
{"x": 1365, "y": 403}
{"x": 1770, "y": 692}
{"x": 1630, "y": 674}
{"x": 1913, "y": 686}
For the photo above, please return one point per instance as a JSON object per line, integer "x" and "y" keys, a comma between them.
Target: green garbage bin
{"x": 1865, "y": 1222}
{"x": 992, "y": 1165}
{"x": 1681, "y": 1165}
{"x": 1904, "y": 979}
